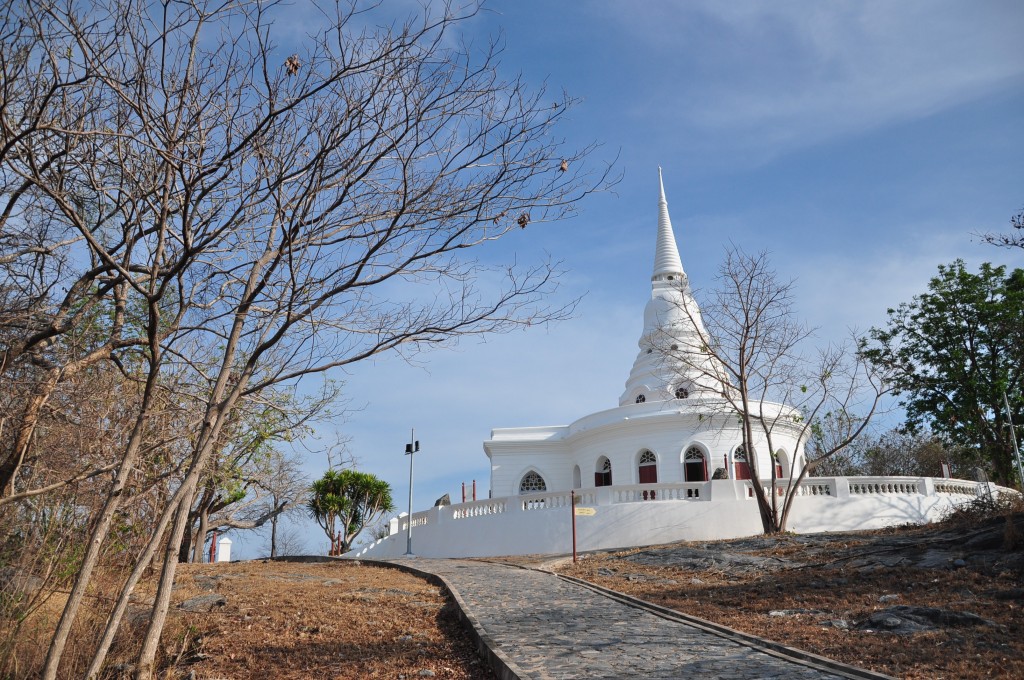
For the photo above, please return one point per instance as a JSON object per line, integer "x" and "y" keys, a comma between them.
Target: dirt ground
{"x": 920, "y": 602}
{"x": 288, "y": 620}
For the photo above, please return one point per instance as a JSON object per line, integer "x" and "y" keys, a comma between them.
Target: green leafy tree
{"x": 343, "y": 502}
{"x": 955, "y": 351}
{"x": 325, "y": 503}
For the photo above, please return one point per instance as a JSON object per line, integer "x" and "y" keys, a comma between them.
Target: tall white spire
{"x": 666, "y": 255}
{"x": 670, "y": 364}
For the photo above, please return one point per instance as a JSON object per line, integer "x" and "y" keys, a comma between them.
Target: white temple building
{"x": 671, "y": 425}
{"x": 666, "y": 464}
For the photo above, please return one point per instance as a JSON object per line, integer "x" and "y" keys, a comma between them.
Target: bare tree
{"x": 285, "y": 485}
{"x": 250, "y": 218}
{"x": 65, "y": 306}
{"x": 1012, "y": 239}
{"x": 896, "y": 452}
{"x": 289, "y": 540}
{"x": 745, "y": 343}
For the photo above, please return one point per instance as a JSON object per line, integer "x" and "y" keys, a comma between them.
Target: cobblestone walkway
{"x": 552, "y": 628}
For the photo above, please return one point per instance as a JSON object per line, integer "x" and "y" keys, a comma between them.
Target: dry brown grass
{"x": 328, "y": 620}
{"x": 281, "y": 620}
{"x": 25, "y": 633}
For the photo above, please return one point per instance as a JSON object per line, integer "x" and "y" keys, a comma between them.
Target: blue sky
{"x": 861, "y": 143}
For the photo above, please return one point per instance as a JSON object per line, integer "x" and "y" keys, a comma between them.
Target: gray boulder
{"x": 203, "y": 603}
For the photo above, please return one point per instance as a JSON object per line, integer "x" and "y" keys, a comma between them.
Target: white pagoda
{"x": 672, "y": 424}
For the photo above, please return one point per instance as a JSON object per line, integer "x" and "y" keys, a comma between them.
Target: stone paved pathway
{"x": 552, "y": 628}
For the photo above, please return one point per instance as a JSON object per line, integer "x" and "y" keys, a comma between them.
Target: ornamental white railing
{"x": 900, "y": 486}
{"x": 816, "y": 488}
{"x": 958, "y": 487}
{"x": 808, "y": 487}
{"x": 549, "y": 500}
{"x": 633, "y": 493}
{"x": 479, "y": 508}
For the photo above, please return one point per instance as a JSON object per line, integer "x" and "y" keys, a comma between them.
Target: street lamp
{"x": 410, "y": 449}
{"x": 1013, "y": 437}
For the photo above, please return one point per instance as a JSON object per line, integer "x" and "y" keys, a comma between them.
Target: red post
{"x": 474, "y": 489}
{"x": 572, "y": 508}
{"x": 463, "y": 492}
{"x": 213, "y": 546}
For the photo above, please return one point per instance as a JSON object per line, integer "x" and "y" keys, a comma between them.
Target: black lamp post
{"x": 410, "y": 449}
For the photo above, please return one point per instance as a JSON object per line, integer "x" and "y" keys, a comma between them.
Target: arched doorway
{"x": 695, "y": 465}
{"x": 739, "y": 459}
{"x": 603, "y": 474}
{"x": 648, "y": 468}
{"x": 781, "y": 465}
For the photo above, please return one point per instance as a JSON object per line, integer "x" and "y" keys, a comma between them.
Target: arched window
{"x": 648, "y": 468}
{"x": 577, "y": 481}
{"x": 739, "y": 459}
{"x": 640, "y": 398}
{"x": 603, "y": 475}
{"x": 532, "y": 483}
{"x": 695, "y": 466}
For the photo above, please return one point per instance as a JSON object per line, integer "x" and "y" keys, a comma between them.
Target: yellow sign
{"x": 586, "y": 512}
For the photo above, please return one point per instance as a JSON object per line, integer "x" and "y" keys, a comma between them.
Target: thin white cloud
{"x": 836, "y": 293}
{"x": 781, "y": 75}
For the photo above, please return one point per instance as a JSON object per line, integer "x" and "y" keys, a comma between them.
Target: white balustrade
{"x": 479, "y": 508}
{"x": 905, "y": 486}
{"x": 958, "y": 487}
{"x": 634, "y": 493}
{"x": 815, "y": 489}
{"x": 419, "y": 519}
{"x": 546, "y": 500}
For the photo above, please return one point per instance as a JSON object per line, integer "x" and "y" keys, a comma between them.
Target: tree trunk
{"x": 114, "y": 620}
{"x": 101, "y": 529}
{"x": 217, "y": 412}
{"x": 788, "y": 505}
{"x": 197, "y": 540}
{"x": 200, "y": 542}
{"x": 748, "y": 445}
{"x": 147, "y": 657}
{"x": 9, "y": 468}
{"x": 273, "y": 534}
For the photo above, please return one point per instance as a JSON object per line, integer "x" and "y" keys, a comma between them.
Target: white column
{"x": 224, "y": 550}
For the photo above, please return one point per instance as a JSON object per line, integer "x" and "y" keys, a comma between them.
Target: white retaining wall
{"x": 648, "y": 514}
